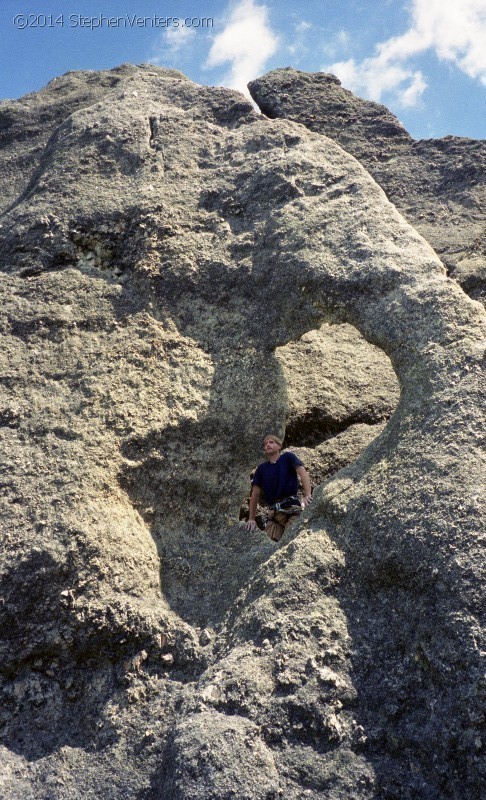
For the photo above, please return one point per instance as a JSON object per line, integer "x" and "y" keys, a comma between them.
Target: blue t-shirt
{"x": 278, "y": 480}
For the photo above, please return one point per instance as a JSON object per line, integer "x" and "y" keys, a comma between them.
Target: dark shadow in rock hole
{"x": 316, "y": 426}
{"x": 186, "y": 481}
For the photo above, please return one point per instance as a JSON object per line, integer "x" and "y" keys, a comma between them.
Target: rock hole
{"x": 341, "y": 392}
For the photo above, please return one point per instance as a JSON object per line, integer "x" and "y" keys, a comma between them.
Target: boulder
{"x": 170, "y": 244}
{"x": 437, "y": 184}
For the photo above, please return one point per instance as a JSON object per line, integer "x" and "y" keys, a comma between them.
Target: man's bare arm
{"x": 254, "y": 498}
{"x": 306, "y": 485}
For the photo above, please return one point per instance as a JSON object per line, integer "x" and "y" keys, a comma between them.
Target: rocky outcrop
{"x": 170, "y": 245}
{"x": 437, "y": 184}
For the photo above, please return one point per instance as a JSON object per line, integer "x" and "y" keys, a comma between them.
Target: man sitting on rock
{"x": 277, "y": 479}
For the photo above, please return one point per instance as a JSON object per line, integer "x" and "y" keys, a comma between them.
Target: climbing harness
{"x": 287, "y": 506}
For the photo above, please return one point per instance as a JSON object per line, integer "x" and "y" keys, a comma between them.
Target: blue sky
{"x": 424, "y": 59}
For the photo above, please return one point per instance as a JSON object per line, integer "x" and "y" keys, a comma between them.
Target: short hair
{"x": 275, "y": 438}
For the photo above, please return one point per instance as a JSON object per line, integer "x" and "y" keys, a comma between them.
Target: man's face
{"x": 270, "y": 447}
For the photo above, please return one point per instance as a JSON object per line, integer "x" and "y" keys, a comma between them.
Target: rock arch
{"x": 354, "y": 647}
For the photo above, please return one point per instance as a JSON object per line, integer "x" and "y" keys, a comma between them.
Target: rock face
{"x": 437, "y": 184}
{"x": 334, "y": 379}
{"x": 181, "y": 275}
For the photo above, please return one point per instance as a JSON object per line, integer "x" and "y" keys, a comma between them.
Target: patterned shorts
{"x": 278, "y": 521}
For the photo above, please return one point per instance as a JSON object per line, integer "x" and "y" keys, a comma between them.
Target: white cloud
{"x": 454, "y": 31}
{"x": 374, "y": 77}
{"x": 246, "y": 43}
{"x": 170, "y": 44}
{"x": 303, "y": 26}
{"x": 410, "y": 96}
{"x": 338, "y": 44}
{"x": 178, "y": 38}
{"x": 299, "y": 49}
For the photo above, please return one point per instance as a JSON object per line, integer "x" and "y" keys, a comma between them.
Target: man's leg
{"x": 275, "y": 525}
{"x": 278, "y": 521}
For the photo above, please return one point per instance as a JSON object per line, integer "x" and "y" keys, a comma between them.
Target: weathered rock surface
{"x": 439, "y": 185}
{"x": 334, "y": 379}
{"x": 170, "y": 246}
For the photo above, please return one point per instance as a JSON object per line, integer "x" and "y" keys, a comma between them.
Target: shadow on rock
{"x": 186, "y": 481}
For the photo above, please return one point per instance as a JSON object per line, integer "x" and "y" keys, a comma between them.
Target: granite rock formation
{"x": 438, "y": 185}
{"x": 167, "y": 254}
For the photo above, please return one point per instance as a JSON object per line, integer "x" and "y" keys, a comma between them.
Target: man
{"x": 277, "y": 479}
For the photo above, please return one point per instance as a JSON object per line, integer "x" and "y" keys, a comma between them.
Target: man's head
{"x": 272, "y": 444}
